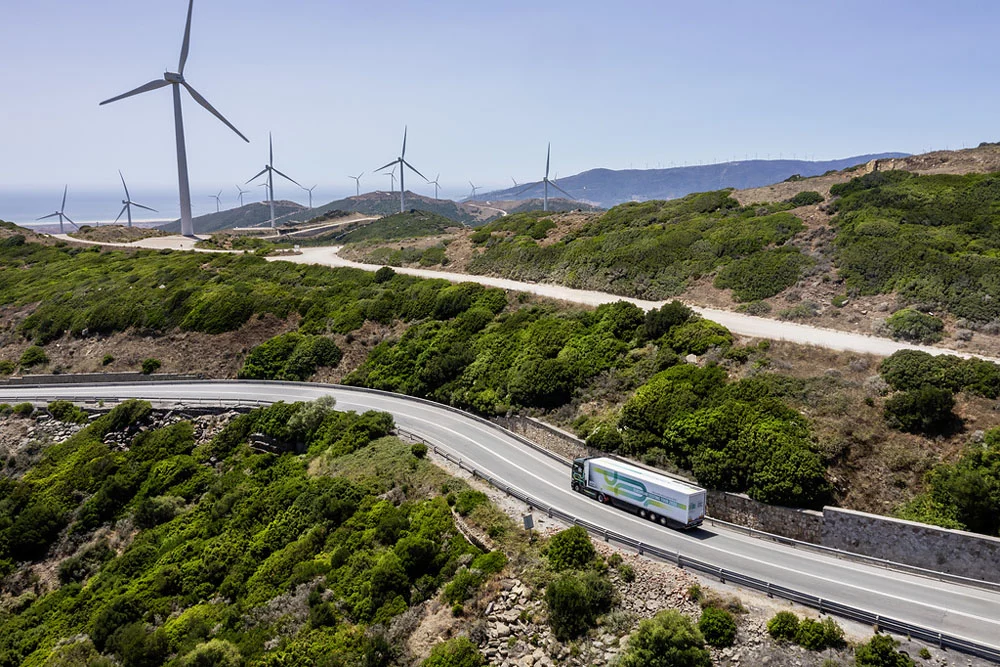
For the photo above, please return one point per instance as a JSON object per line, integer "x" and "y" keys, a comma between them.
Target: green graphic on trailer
{"x": 633, "y": 489}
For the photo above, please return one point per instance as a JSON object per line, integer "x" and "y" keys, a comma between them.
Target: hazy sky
{"x": 484, "y": 85}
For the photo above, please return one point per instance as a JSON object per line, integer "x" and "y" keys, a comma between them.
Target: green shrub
{"x": 213, "y": 653}
{"x": 666, "y": 640}
{"x": 763, "y": 274}
{"x": 290, "y": 356}
{"x": 107, "y": 360}
{"x": 455, "y": 652}
{"x": 913, "y": 325}
{"x": 801, "y": 311}
{"x": 384, "y": 275}
{"x": 697, "y": 336}
{"x": 570, "y": 549}
{"x": 806, "y": 198}
{"x": 467, "y": 500}
{"x": 784, "y": 626}
{"x": 627, "y": 573}
{"x": 818, "y": 635}
{"x": 924, "y": 410}
{"x": 23, "y": 409}
{"x": 65, "y": 411}
{"x": 717, "y": 626}
{"x": 880, "y": 651}
{"x": 839, "y": 301}
{"x": 7, "y": 367}
{"x": 575, "y": 601}
{"x": 757, "y": 308}
{"x": 659, "y": 321}
{"x": 150, "y": 366}
{"x": 418, "y": 449}
{"x": 924, "y": 653}
{"x": 33, "y": 356}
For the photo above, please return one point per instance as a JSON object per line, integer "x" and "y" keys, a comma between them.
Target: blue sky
{"x": 484, "y": 85}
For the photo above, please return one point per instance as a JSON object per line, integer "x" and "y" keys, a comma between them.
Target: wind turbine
{"x": 403, "y": 164}
{"x": 176, "y": 80}
{"x": 392, "y": 180}
{"x": 242, "y": 192}
{"x": 357, "y": 183}
{"x": 513, "y": 181}
{"x": 127, "y": 203}
{"x": 218, "y": 201}
{"x": 62, "y": 216}
{"x": 271, "y": 171}
{"x": 546, "y": 182}
{"x": 310, "y": 191}
{"x": 436, "y": 185}
{"x": 474, "y": 188}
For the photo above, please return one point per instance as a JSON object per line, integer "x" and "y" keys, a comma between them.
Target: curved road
{"x": 967, "y": 612}
{"x": 739, "y": 323}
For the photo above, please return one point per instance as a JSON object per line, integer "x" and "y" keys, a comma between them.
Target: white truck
{"x": 653, "y": 496}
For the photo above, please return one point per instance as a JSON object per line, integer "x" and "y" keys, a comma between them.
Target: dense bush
{"x": 763, "y": 274}
{"x": 65, "y": 411}
{"x": 930, "y": 239}
{"x": 964, "y": 494}
{"x": 150, "y": 366}
{"x": 880, "y": 651}
{"x": 907, "y": 370}
{"x": 926, "y": 410}
{"x": 698, "y": 336}
{"x": 818, "y": 635}
{"x": 784, "y": 626}
{"x": 806, "y": 198}
{"x": 666, "y": 640}
{"x": 290, "y": 356}
{"x": 455, "y": 652}
{"x": 717, "y": 626}
{"x": 33, "y": 356}
{"x": 913, "y": 325}
{"x": 574, "y": 602}
{"x": 7, "y": 367}
{"x": 570, "y": 549}
{"x": 648, "y": 250}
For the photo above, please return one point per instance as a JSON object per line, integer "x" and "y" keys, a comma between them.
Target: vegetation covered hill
{"x": 413, "y": 224}
{"x": 387, "y": 203}
{"x": 248, "y": 215}
{"x": 607, "y": 187}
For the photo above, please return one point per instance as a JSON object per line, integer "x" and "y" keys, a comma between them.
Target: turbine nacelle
{"x": 173, "y": 77}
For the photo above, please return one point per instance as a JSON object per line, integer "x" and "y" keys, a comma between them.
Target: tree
{"x": 880, "y": 651}
{"x": 783, "y": 625}
{"x": 717, "y": 626}
{"x": 456, "y": 652}
{"x": 575, "y": 601}
{"x": 666, "y": 640}
{"x": 925, "y": 410}
{"x": 570, "y": 549}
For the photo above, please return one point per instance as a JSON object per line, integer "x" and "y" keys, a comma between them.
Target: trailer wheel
{"x": 663, "y": 520}
{"x": 642, "y": 513}
{"x": 601, "y": 498}
{"x": 653, "y": 517}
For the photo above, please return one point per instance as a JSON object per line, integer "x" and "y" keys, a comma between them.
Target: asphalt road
{"x": 966, "y": 612}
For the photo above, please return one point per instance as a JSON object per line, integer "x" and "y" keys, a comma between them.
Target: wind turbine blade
{"x": 203, "y": 102}
{"x": 46, "y": 217}
{"x": 561, "y": 190}
{"x": 392, "y": 164}
{"x": 521, "y": 192}
{"x": 145, "y": 207}
{"x": 122, "y": 212}
{"x": 289, "y": 178}
{"x": 63, "y": 207}
{"x": 259, "y": 174}
{"x": 513, "y": 181}
{"x": 127, "y": 196}
{"x": 187, "y": 39}
{"x": 270, "y": 148}
{"x": 70, "y": 221}
{"x": 548, "y": 154}
{"x": 145, "y": 88}
{"x": 403, "y": 154}
{"x": 415, "y": 170}
{"x": 361, "y": 174}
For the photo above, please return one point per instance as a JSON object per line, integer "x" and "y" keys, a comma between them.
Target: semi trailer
{"x": 653, "y": 496}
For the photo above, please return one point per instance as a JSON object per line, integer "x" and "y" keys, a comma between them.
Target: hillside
{"x": 248, "y": 215}
{"x": 606, "y": 188}
{"x": 386, "y": 203}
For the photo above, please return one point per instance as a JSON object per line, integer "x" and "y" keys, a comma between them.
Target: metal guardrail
{"x": 942, "y": 640}
{"x": 825, "y": 606}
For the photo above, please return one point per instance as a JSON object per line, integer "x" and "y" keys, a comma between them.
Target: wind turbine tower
{"x": 62, "y": 216}
{"x": 176, "y": 80}
{"x": 127, "y": 203}
{"x": 403, "y": 164}
{"x": 271, "y": 171}
{"x": 546, "y": 182}
{"x": 310, "y": 191}
{"x": 357, "y": 184}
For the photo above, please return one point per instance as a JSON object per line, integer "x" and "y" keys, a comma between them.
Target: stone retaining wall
{"x": 952, "y": 551}
{"x": 89, "y": 378}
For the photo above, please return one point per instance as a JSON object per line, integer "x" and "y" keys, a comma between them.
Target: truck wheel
{"x": 642, "y": 514}
{"x": 601, "y": 498}
{"x": 575, "y": 487}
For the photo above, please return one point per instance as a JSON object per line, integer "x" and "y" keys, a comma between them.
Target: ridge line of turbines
{"x": 177, "y": 81}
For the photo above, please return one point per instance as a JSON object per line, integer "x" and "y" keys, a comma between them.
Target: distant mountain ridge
{"x": 248, "y": 215}
{"x": 607, "y": 187}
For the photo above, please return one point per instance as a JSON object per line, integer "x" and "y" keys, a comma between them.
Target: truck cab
{"x": 579, "y": 478}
